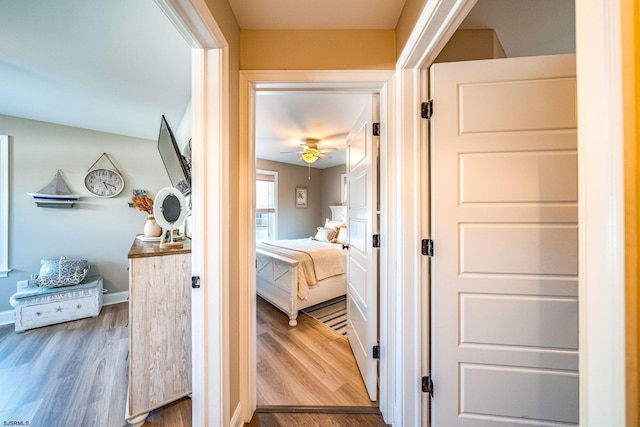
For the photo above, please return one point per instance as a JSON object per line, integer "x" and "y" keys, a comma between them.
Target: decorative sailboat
{"x": 55, "y": 194}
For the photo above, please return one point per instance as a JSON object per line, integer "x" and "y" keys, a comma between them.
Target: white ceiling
{"x": 284, "y": 120}
{"x": 114, "y": 66}
{"x": 117, "y": 66}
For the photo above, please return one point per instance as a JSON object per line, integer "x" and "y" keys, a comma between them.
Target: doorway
{"x": 252, "y": 83}
{"x": 301, "y": 137}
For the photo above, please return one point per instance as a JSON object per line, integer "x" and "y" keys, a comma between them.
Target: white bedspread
{"x": 316, "y": 260}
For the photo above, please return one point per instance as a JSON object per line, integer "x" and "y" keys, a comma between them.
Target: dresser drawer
{"x": 58, "y": 311}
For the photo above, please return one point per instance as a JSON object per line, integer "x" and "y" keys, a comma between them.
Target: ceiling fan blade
{"x": 328, "y": 149}
{"x": 292, "y": 152}
{"x": 323, "y": 156}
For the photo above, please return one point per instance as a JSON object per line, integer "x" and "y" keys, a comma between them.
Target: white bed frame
{"x": 277, "y": 280}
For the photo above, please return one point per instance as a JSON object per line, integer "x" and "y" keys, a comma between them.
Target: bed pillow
{"x": 61, "y": 272}
{"x": 325, "y": 234}
{"x": 328, "y": 223}
{"x": 342, "y": 235}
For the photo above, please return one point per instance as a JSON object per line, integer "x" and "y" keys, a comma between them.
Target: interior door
{"x": 362, "y": 259}
{"x": 505, "y": 229}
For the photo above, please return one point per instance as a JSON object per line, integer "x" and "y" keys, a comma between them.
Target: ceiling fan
{"x": 310, "y": 152}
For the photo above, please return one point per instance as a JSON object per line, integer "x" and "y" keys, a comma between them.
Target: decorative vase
{"x": 151, "y": 228}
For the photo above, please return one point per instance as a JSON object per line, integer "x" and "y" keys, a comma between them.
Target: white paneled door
{"x": 362, "y": 260}
{"x": 505, "y": 226}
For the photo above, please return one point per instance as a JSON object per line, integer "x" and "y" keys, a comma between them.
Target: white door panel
{"x": 486, "y": 177}
{"x": 503, "y": 110}
{"x": 362, "y": 291}
{"x": 505, "y": 295}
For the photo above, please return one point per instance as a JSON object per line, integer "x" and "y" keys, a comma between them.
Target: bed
{"x": 296, "y": 274}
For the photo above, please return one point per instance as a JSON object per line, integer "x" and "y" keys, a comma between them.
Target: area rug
{"x": 332, "y": 313}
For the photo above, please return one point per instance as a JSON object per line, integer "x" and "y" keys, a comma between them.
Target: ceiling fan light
{"x": 309, "y": 157}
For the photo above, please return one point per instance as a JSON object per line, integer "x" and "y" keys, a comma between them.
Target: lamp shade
{"x": 310, "y": 157}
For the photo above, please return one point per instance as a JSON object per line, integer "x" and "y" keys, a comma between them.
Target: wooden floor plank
{"x": 76, "y": 373}
{"x": 315, "y": 420}
{"x": 308, "y": 364}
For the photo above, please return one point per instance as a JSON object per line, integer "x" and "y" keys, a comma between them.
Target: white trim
{"x": 7, "y": 317}
{"x": 236, "y": 419}
{"x": 4, "y": 206}
{"x": 405, "y": 193}
{"x": 601, "y": 214}
{"x": 115, "y": 298}
{"x": 193, "y": 19}
{"x": 250, "y": 83}
{"x": 435, "y": 25}
{"x": 209, "y": 254}
{"x": 433, "y": 29}
{"x": 275, "y": 195}
{"x": 209, "y": 249}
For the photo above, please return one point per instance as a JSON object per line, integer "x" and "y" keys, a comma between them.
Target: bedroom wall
{"x": 99, "y": 230}
{"x": 296, "y": 223}
{"x": 331, "y": 188}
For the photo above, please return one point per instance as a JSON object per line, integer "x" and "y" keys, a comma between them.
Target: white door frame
{"x": 209, "y": 253}
{"x": 250, "y": 83}
{"x": 601, "y": 208}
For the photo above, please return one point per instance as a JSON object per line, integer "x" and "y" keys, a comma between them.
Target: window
{"x": 266, "y": 203}
{"x": 4, "y": 206}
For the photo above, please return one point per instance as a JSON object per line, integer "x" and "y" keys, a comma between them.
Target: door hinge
{"x": 427, "y": 385}
{"x": 376, "y": 129}
{"x": 376, "y": 240}
{"x": 376, "y": 351}
{"x": 427, "y": 247}
{"x": 427, "y": 109}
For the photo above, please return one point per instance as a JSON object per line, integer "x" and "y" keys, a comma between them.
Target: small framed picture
{"x": 301, "y": 197}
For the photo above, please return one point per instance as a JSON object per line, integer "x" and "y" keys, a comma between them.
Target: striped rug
{"x": 332, "y": 313}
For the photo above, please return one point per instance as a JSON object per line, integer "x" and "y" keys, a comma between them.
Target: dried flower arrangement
{"x": 143, "y": 203}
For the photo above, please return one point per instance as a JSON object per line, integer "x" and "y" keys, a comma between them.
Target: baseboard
{"x": 115, "y": 298}
{"x": 6, "y": 317}
{"x": 236, "y": 419}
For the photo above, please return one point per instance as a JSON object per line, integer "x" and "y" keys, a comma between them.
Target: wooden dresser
{"x": 159, "y": 327}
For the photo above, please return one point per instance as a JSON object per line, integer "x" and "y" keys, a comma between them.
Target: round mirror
{"x": 169, "y": 208}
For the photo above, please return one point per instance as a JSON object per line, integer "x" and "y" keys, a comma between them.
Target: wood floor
{"x": 307, "y": 365}
{"x": 75, "y": 374}
{"x": 315, "y": 420}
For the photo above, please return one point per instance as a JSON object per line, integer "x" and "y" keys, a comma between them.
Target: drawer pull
{"x": 79, "y": 306}
{"x": 38, "y": 313}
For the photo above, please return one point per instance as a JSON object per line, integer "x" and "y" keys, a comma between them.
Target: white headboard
{"x": 339, "y": 213}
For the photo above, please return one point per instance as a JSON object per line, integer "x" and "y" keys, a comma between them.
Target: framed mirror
{"x": 170, "y": 210}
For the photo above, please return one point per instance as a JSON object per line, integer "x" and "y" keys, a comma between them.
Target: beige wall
{"x": 317, "y": 49}
{"x": 294, "y": 223}
{"x": 406, "y": 22}
{"x": 99, "y": 230}
{"x": 468, "y": 45}
{"x": 631, "y": 93}
{"x": 224, "y": 17}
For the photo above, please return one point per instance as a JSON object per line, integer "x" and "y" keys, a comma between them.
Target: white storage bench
{"x": 36, "y": 307}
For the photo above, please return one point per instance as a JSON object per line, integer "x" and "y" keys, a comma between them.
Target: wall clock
{"x": 104, "y": 182}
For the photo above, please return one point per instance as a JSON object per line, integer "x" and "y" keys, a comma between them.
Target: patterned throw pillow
{"x": 61, "y": 272}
